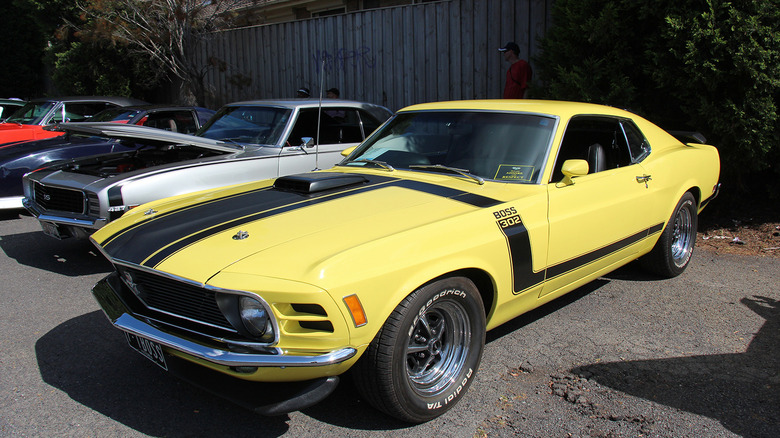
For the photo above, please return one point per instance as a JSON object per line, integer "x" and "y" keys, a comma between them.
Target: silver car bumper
{"x": 122, "y": 318}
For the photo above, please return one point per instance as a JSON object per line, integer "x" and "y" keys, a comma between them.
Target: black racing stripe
{"x": 177, "y": 229}
{"x": 570, "y": 265}
{"x": 282, "y": 207}
{"x": 523, "y": 275}
{"x": 109, "y": 240}
{"x": 446, "y": 192}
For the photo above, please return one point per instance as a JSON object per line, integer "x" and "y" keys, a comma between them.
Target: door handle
{"x": 643, "y": 179}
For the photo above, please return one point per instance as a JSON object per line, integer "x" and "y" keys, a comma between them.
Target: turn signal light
{"x": 356, "y": 310}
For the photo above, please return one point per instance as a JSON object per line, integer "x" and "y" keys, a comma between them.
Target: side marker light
{"x": 356, "y": 310}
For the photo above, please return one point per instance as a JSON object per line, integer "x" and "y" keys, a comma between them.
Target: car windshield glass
{"x": 118, "y": 115}
{"x": 32, "y": 113}
{"x": 509, "y": 147}
{"x": 260, "y": 125}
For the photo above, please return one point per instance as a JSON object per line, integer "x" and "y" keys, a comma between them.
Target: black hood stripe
{"x": 151, "y": 242}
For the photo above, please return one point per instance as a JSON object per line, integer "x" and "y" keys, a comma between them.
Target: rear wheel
{"x": 674, "y": 248}
{"x": 425, "y": 356}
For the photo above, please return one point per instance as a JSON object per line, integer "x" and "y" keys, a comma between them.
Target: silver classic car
{"x": 244, "y": 141}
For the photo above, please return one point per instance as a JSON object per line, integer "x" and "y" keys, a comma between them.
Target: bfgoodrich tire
{"x": 674, "y": 248}
{"x": 426, "y": 355}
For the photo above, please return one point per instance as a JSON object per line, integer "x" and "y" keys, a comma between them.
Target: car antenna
{"x": 319, "y": 119}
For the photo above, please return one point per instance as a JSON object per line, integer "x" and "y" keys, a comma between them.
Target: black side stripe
{"x": 519, "y": 246}
{"x": 570, "y": 265}
{"x": 155, "y": 240}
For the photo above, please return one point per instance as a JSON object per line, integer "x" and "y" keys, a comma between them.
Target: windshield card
{"x": 510, "y": 172}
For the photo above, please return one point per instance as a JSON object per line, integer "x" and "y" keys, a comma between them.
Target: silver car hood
{"x": 119, "y": 130}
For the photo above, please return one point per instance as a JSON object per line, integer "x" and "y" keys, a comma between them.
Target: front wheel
{"x": 426, "y": 355}
{"x": 674, "y": 248}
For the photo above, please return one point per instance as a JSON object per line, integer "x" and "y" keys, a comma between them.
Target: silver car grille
{"x": 176, "y": 298}
{"x": 58, "y": 199}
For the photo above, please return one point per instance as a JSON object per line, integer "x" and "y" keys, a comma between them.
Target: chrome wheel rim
{"x": 682, "y": 236}
{"x": 437, "y": 348}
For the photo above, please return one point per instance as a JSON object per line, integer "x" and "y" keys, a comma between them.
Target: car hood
{"x": 135, "y": 132}
{"x": 25, "y": 148}
{"x": 294, "y": 228}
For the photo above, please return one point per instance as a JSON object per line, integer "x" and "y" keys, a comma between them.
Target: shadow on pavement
{"x": 71, "y": 257}
{"x": 90, "y": 361}
{"x": 542, "y": 311}
{"x": 740, "y": 390}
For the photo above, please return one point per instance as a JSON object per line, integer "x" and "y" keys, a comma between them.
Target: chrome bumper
{"x": 11, "y": 203}
{"x": 75, "y": 222}
{"x": 121, "y": 317}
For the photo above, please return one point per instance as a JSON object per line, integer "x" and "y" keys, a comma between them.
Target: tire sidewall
{"x": 686, "y": 202}
{"x": 462, "y": 291}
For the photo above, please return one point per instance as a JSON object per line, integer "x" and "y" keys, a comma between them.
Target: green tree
{"x": 166, "y": 32}
{"x": 23, "y": 41}
{"x": 708, "y": 65}
{"x": 95, "y": 68}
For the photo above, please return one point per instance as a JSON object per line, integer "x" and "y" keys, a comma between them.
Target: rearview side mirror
{"x": 571, "y": 169}
{"x": 307, "y": 141}
{"x": 347, "y": 151}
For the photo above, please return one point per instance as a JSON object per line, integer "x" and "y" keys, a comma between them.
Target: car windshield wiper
{"x": 445, "y": 169}
{"x": 378, "y": 163}
{"x": 230, "y": 140}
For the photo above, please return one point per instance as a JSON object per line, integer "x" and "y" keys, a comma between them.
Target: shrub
{"x": 708, "y": 65}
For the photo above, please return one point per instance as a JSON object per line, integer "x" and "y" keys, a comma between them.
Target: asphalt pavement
{"x": 627, "y": 355}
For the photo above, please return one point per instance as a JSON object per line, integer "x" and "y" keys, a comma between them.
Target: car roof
{"x": 552, "y": 107}
{"x": 304, "y": 103}
{"x": 161, "y": 107}
{"x": 116, "y": 100}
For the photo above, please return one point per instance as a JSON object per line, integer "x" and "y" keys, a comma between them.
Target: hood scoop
{"x": 315, "y": 182}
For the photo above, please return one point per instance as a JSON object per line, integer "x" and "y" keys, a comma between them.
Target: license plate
{"x": 152, "y": 350}
{"x": 51, "y": 229}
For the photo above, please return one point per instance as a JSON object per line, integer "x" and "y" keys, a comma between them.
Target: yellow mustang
{"x": 451, "y": 219}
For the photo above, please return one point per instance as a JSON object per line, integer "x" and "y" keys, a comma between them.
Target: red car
{"x": 28, "y": 121}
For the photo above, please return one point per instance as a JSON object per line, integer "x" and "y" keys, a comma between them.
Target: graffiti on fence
{"x": 341, "y": 59}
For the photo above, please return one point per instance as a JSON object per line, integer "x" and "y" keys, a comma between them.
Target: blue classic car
{"x": 18, "y": 158}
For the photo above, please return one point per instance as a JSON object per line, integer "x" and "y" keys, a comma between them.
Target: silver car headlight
{"x": 255, "y": 318}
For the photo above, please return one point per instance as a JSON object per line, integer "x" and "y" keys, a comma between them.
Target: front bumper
{"x": 80, "y": 227}
{"x": 121, "y": 317}
{"x": 11, "y": 203}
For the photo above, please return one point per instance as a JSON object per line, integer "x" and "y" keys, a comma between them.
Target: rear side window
{"x": 79, "y": 111}
{"x": 637, "y": 144}
{"x": 337, "y": 125}
{"x": 174, "y": 121}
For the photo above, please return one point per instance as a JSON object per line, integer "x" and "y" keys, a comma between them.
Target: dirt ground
{"x": 727, "y": 234}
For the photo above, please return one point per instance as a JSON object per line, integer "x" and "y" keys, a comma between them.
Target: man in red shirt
{"x": 519, "y": 74}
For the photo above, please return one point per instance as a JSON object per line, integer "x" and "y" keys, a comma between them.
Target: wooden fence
{"x": 392, "y": 56}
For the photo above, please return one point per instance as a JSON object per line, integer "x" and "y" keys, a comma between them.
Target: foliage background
{"x": 704, "y": 65}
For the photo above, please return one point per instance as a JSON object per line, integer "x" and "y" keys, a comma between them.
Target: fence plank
{"x": 394, "y": 56}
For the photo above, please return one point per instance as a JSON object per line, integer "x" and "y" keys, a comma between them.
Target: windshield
{"x": 509, "y": 147}
{"x": 32, "y": 113}
{"x": 118, "y": 115}
{"x": 260, "y": 125}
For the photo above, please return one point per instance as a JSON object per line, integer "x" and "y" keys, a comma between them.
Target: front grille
{"x": 178, "y": 298}
{"x": 54, "y": 198}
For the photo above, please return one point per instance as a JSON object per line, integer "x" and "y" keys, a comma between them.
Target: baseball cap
{"x": 510, "y": 46}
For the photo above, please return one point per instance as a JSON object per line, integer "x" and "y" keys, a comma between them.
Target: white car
{"x": 244, "y": 141}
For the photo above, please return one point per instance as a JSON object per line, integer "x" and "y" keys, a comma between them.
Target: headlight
{"x": 255, "y": 318}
